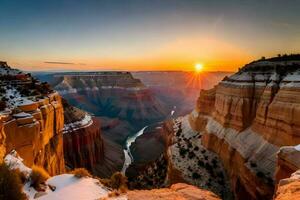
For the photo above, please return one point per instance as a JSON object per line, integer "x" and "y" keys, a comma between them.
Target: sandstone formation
{"x": 178, "y": 191}
{"x": 82, "y": 139}
{"x": 247, "y": 118}
{"x": 84, "y": 145}
{"x": 31, "y": 120}
{"x": 289, "y": 188}
{"x": 288, "y": 161}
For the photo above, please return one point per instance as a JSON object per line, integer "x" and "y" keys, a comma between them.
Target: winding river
{"x": 127, "y": 153}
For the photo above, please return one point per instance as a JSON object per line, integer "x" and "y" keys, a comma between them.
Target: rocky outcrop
{"x": 289, "y": 188}
{"x": 83, "y": 143}
{"x": 31, "y": 120}
{"x": 189, "y": 161}
{"x": 254, "y": 113}
{"x": 183, "y": 159}
{"x": 85, "y": 146}
{"x": 288, "y": 161}
{"x": 176, "y": 191}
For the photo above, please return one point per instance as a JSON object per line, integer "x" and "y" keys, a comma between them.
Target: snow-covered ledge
{"x": 83, "y": 123}
{"x": 67, "y": 186}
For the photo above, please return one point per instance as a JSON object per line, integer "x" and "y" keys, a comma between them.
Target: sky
{"x": 145, "y": 34}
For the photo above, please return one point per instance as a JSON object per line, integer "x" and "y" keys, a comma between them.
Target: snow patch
{"x": 67, "y": 186}
{"x": 22, "y": 115}
{"x": 85, "y": 122}
{"x": 70, "y": 187}
{"x": 13, "y": 161}
{"x": 297, "y": 147}
{"x": 14, "y": 98}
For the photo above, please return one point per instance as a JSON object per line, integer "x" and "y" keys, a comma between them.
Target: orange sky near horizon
{"x": 143, "y": 35}
{"x": 179, "y": 55}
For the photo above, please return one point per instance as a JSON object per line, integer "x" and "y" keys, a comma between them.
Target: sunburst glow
{"x": 198, "y": 67}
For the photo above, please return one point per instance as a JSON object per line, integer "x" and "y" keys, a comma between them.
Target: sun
{"x": 198, "y": 67}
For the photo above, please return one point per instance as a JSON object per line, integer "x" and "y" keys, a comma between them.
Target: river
{"x": 127, "y": 153}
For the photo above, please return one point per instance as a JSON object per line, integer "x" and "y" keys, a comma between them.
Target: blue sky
{"x": 143, "y": 34}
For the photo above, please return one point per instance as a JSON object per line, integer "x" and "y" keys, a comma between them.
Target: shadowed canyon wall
{"x": 85, "y": 146}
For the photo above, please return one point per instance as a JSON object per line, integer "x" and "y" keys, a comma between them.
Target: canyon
{"x": 248, "y": 119}
{"x": 241, "y": 140}
{"x": 126, "y": 102}
{"x": 244, "y": 131}
{"x": 113, "y": 95}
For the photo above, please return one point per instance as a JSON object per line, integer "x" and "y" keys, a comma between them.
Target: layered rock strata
{"x": 289, "y": 188}
{"x": 247, "y": 118}
{"x": 84, "y": 145}
{"x": 288, "y": 161}
{"x": 32, "y": 120}
{"x": 111, "y": 94}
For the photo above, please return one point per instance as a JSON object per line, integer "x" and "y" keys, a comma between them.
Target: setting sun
{"x": 198, "y": 67}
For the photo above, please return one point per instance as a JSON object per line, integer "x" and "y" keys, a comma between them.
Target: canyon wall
{"x": 46, "y": 131}
{"x": 246, "y": 118}
{"x": 116, "y": 97}
{"x": 85, "y": 146}
{"x": 83, "y": 143}
{"x": 32, "y": 120}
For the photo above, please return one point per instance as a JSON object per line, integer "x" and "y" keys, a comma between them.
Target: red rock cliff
{"x": 84, "y": 145}
{"x": 288, "y": 188}
{"x": 31, "y": 120}
{"x": 247, "y": 118}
